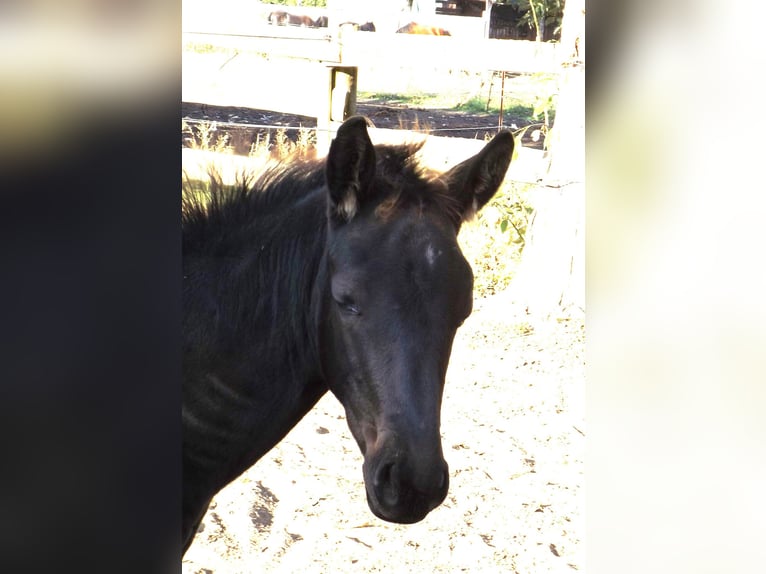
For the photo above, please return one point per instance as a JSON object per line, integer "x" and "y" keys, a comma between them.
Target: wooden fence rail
{"x": 308, "y": 72}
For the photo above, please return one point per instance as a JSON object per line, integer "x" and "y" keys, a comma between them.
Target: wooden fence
{"x": 310, "y": 72}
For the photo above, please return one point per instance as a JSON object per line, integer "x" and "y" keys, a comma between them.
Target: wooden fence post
{"x": 339, "y": 102}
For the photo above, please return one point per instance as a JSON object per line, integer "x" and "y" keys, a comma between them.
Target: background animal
{"x": 366, "y": 27}
{"x": 415, "y": 28}
{"x": 282, "y": 18}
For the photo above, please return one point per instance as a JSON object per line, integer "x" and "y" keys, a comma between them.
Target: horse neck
{"x": 290, "y": 274}
{"x": 251, "y": 328}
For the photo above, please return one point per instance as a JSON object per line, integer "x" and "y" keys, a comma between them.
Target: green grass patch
{"x": 525, "y": 108}
{"x": 421, "y": 100}
{"x": 511, "y": 106}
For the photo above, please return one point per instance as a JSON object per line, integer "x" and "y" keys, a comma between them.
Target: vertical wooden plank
{"x": 353, "y": 71}
{"x": 339, "y": 102}
{"x": 324, "y": 111}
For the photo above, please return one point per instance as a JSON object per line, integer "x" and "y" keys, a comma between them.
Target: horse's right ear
{"x": 474, "y": 181}
{"x": 350, "y": 168}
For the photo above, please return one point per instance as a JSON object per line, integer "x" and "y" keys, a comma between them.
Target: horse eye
{"x": 351, "y": 308}
{"x": 348, "y": 306}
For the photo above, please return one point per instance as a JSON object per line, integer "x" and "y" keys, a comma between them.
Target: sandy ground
{"x": 513, "y": 433}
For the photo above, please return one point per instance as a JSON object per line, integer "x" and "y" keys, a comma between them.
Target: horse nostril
{"x": 386, "y": 484}
{"x": 384, "y": 474}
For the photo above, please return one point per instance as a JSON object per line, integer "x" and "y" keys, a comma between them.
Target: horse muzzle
{"x": 404, "y": 488}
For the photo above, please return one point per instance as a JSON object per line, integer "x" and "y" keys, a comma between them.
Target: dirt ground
{"x": 254, "y": 123}
{"x": 513, "y": 433}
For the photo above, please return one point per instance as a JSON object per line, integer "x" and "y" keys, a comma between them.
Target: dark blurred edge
{"x": 90, "y": 346}
{"x": 606, "y": 27}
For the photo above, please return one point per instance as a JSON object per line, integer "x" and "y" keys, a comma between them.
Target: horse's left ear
{"x": 474, "y": 181}
{"x": 350, "y": 168}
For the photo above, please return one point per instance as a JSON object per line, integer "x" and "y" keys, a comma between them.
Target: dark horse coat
{"x": 343, "y": 275}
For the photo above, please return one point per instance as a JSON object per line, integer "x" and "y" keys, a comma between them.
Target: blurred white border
{"x": 676, "y": 286}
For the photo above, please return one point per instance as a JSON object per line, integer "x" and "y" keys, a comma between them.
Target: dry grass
{"x": 205, "y": 136}
{"x": 279, "y": 146}
{"x": 276, "y": 144}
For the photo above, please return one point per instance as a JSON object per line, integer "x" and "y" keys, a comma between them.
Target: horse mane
{"x": 213, "y": 211}
{"x": 251, "y": 237}
{"x": 403, "y": 182}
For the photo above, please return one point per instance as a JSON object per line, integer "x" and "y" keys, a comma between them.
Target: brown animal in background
{"x": 415, "y": 28}
{"x": 281, "y": 18}
{"x": 366, "y": 27}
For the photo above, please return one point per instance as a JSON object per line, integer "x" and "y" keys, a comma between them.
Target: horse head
{"x": 395, "y": 289}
